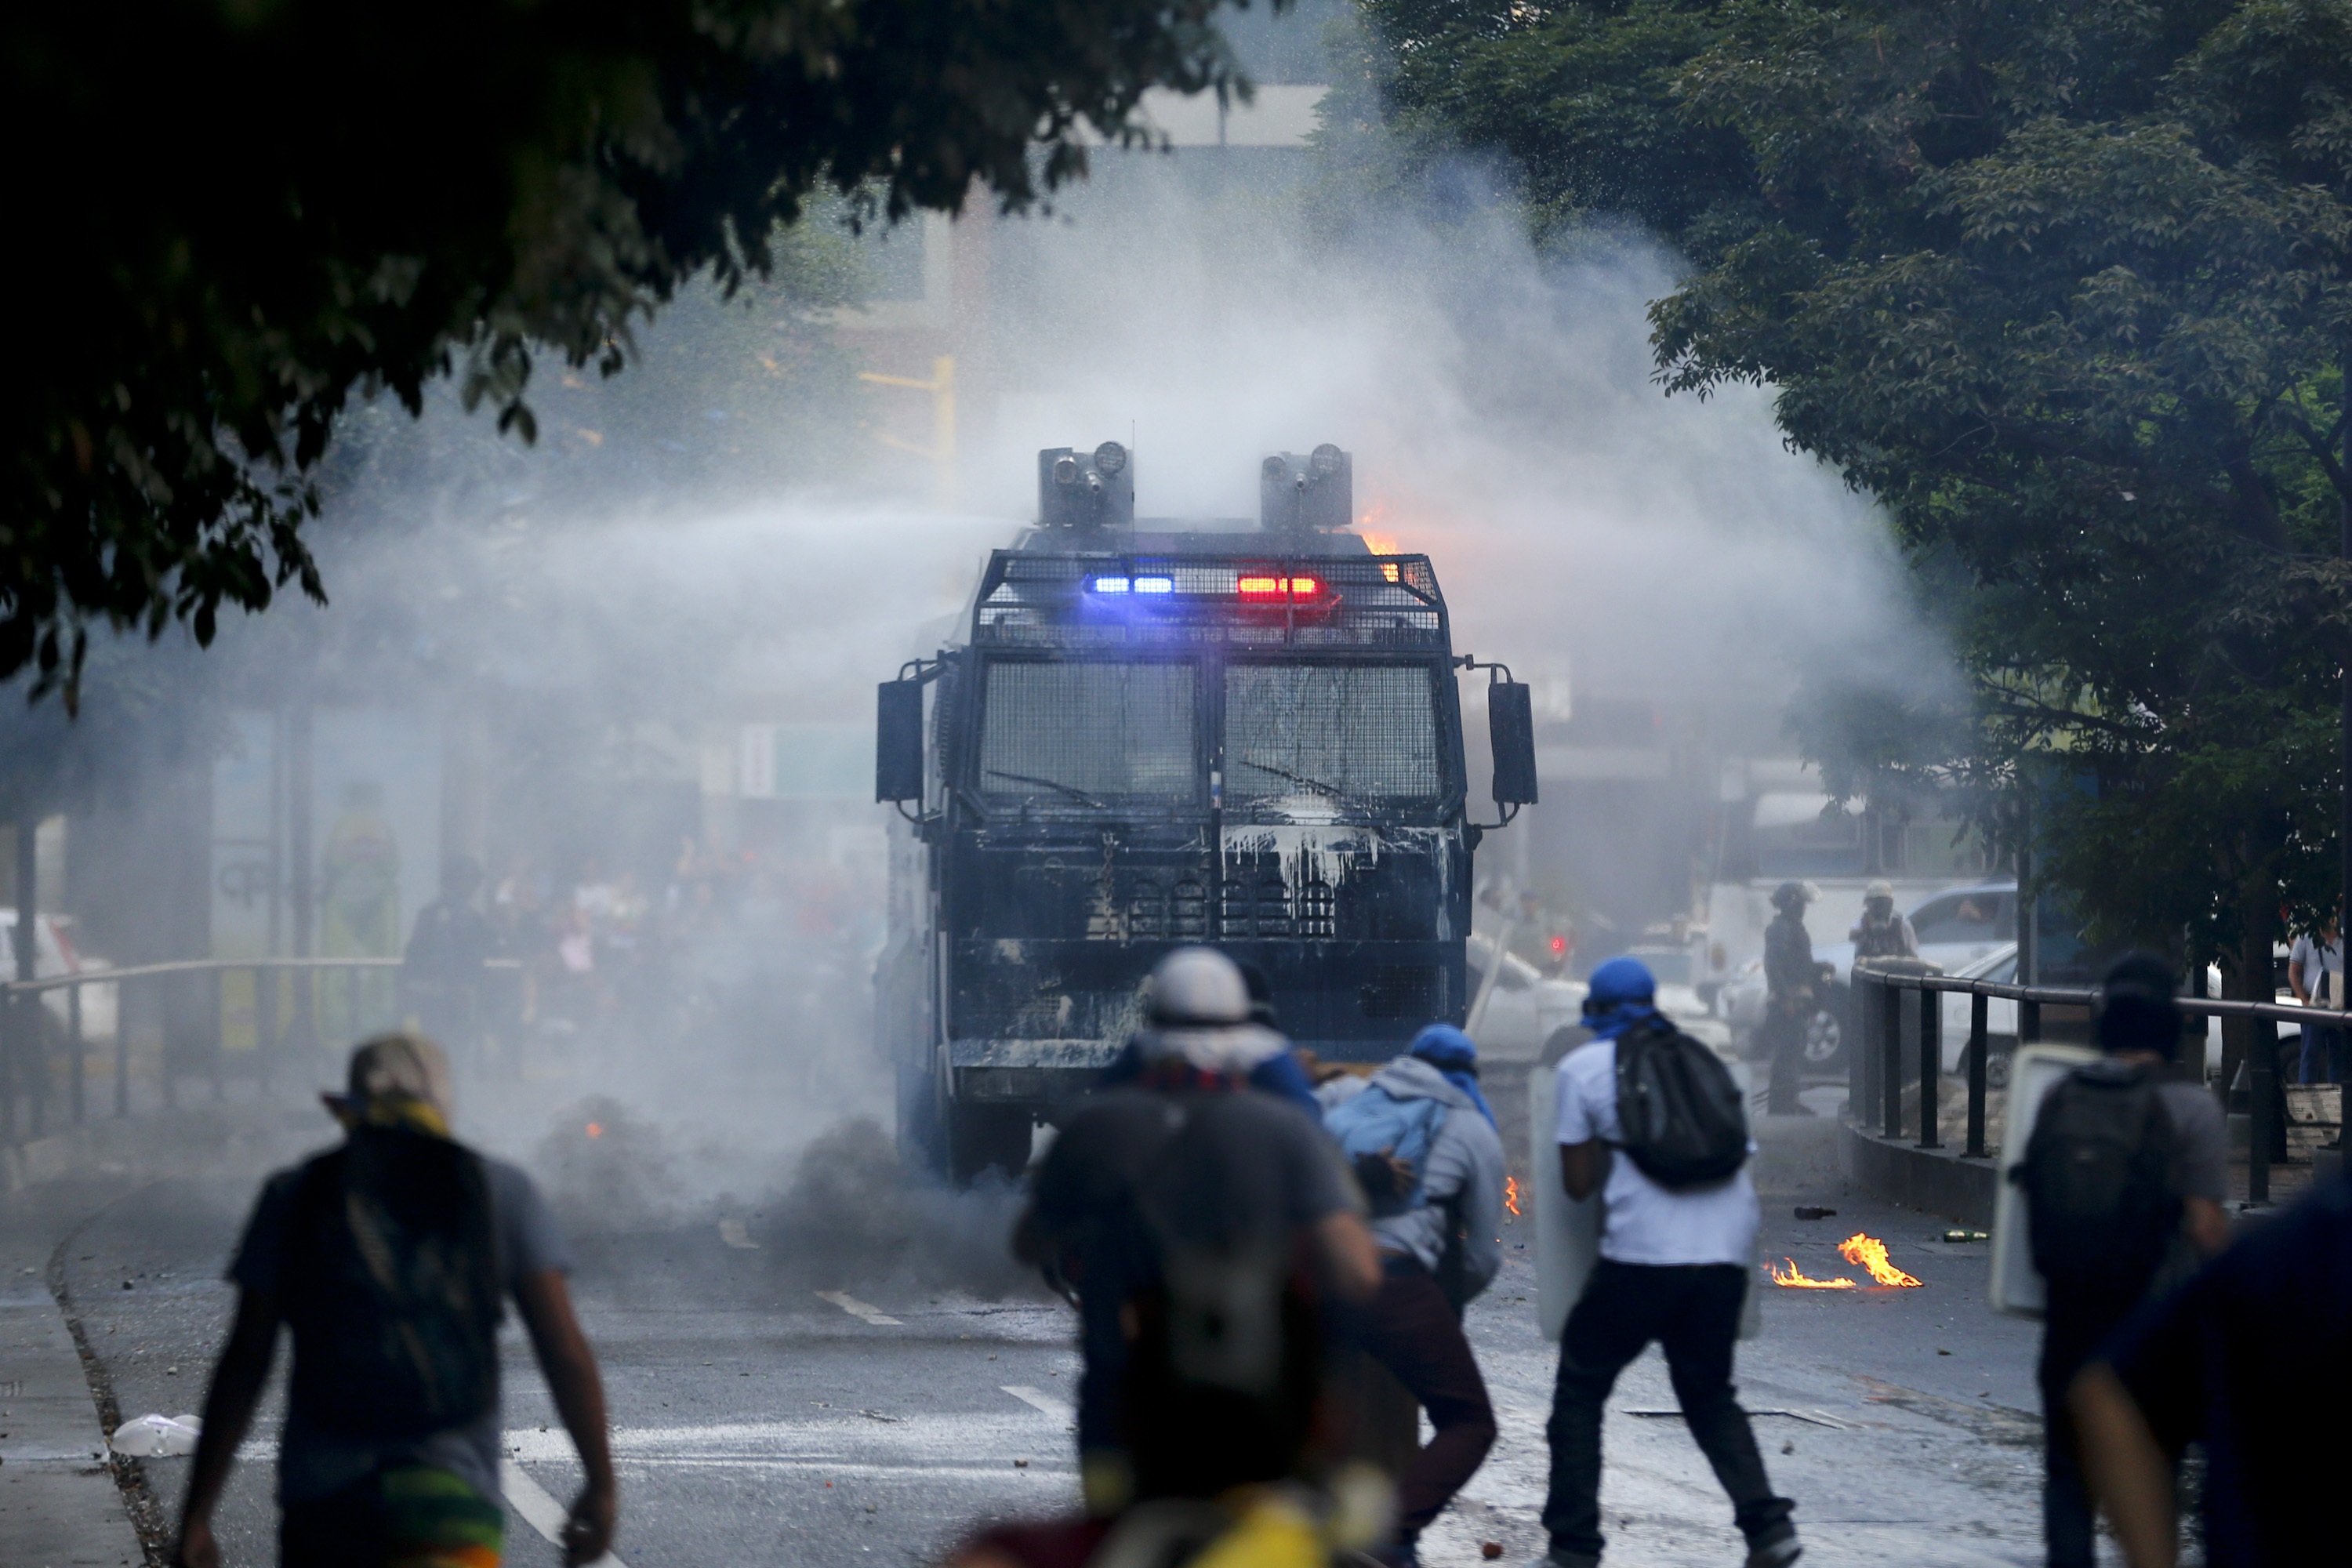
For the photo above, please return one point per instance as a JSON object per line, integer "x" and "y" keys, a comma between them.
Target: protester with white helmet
{"x": 1183, "y": 1185}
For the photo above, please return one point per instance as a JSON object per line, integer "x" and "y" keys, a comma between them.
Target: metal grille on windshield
{"x": 1363, "y": 733}
{"x": 1090, "y": 733}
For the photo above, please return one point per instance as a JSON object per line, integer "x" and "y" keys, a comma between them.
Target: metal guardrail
{"x": 1875, "y": 1060}
{"x": 25, "y": 1051}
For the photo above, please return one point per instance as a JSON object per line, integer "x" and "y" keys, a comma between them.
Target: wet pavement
{"x": 781, "y": 1403}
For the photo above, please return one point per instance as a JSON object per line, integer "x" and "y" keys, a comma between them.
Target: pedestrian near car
{"x": 1674, "y": 1268}
{"x": 1883, "y": 931}
{"x": 388, "y": 1259}
{"x": 1427, "y": 1153}
{"x": 1791, "y": 977}
{"x": 1206, "y": 1231}
{"x": 2123, "y": 1179}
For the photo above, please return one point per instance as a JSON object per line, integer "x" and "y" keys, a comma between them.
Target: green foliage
{"x": 1581, "y": 97}
{"x": 2064, "y": 287}
{"x": 234, "y": 218}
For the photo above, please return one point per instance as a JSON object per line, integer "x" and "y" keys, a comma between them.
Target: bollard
{"x": 36, "y": 1059}
{"x": 2262, "y": 1081}
{"x": 1931, "y": 1065}
{"x": 1979, "y": 1045}
{"x": 121, "y": 1054}
{"x": 1890, "y": 1057}
{"x": 1856, "y": 1024}
{"x": 74, "y": 1044}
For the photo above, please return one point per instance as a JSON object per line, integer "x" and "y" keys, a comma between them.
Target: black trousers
{"x": 1783, "y": 1028}
{"x": 2071, "y": 1332}
{"x": 1692, "y": 1311}
{"x": 1411, "y": 1328}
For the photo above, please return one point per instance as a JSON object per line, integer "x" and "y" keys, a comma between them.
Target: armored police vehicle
{"x": 1245, "y": 733}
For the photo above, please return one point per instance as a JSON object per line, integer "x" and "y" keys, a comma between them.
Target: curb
{"x": 1929, "y": 1180}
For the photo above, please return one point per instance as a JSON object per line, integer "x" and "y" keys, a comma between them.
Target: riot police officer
{"x": 1882, "y": 933}
{"x": 1789, "y": 978}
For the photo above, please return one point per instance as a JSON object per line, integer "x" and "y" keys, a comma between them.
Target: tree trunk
{"x": 2259, "y": 911}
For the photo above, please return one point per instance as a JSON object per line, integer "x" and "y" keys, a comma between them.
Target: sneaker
{"x": 1776, "y": 1553}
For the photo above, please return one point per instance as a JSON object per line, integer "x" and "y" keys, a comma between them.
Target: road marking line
{"x": 1039, "y": 1399}
{"x": 857, "y": 1309}
{"x": 538, "y": 1510}
{"x": 732, "y": 1233}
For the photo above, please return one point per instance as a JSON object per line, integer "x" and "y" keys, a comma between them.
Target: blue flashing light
{"x": 1110, "y": 585}
{"x": 1155, "y": 585}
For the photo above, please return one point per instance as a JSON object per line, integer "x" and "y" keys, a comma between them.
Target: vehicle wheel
{"x": 1824, "y": 1039}
{"x": 982, "y": 1138}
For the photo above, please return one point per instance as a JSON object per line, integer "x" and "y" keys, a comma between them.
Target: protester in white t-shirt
{"x": 1673, "y": 1268}
{"x": 2315, "y": 972}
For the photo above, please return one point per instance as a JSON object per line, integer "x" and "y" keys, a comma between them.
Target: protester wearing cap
{"x": 1674, "y": 1268}
{"x": 1425, "y": 1148}
{"x": 1882, "y": 931}
{"x": 387, "y": 1257}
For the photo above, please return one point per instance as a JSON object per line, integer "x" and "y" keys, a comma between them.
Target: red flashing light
{"x": 1559, "y": 946}
{"x": 1274, "y": 587}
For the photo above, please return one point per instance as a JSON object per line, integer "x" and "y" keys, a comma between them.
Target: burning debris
{"x": 1867, "y": 1252}
{"x": 1511, "y": 1196}
{"x": 1795, "y": 1279}
{"x": 1864, "y": 1251}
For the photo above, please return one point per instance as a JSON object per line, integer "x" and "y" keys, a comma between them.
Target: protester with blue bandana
{"x": 1674, "y": 1268}
{"x": 1422, "y": 1140}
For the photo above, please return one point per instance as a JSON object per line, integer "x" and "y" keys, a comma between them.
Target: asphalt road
{"x": 766, "y": 1412}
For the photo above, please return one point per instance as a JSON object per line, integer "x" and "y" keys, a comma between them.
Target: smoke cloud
{"x": 1500, "y": 406}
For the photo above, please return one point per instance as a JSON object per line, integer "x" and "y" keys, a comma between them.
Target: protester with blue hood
{"x": 1620, "y": 995}
{"x": 1423, "y": 1142}
{"x": 1674, "y": 1268}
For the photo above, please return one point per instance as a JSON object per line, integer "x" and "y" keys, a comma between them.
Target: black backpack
{"x": 1191, "y": 1242}
{"x": 2103, "y": 1196}
{"x": 1681, "y": 1118}
{"x": 392, "y": 1287}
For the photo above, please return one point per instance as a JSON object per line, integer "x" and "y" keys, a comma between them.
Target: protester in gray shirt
{"x": 2098, "y": 1262}
{"x": 388, "y": 1257}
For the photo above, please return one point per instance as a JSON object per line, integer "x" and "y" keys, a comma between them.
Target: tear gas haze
{"x": 643, "y": 653}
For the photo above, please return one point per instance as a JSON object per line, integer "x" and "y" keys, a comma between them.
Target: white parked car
{"x": 1527, "y": 1009}
{"x": 1956, "y": 927}
{"x": 1524, "y": 1009}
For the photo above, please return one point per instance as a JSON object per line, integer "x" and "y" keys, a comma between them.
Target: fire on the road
{"x": 1864, "y": 1252}
{"x": 1795, "y": 1280}
{"x": 1869, "y": 1253}
{"x": 1511, "y": 1196}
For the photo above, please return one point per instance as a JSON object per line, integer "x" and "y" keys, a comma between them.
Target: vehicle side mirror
{"x": 1511, "y": 729}
{"x": 899, "y": 741}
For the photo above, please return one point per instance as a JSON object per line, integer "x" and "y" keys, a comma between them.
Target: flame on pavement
{"x": 1511, "y": 1196}
{"x": 1869, "y": 1253}
{"x": 1795, "y": 1279}
{"x": 595, "y": 1129}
